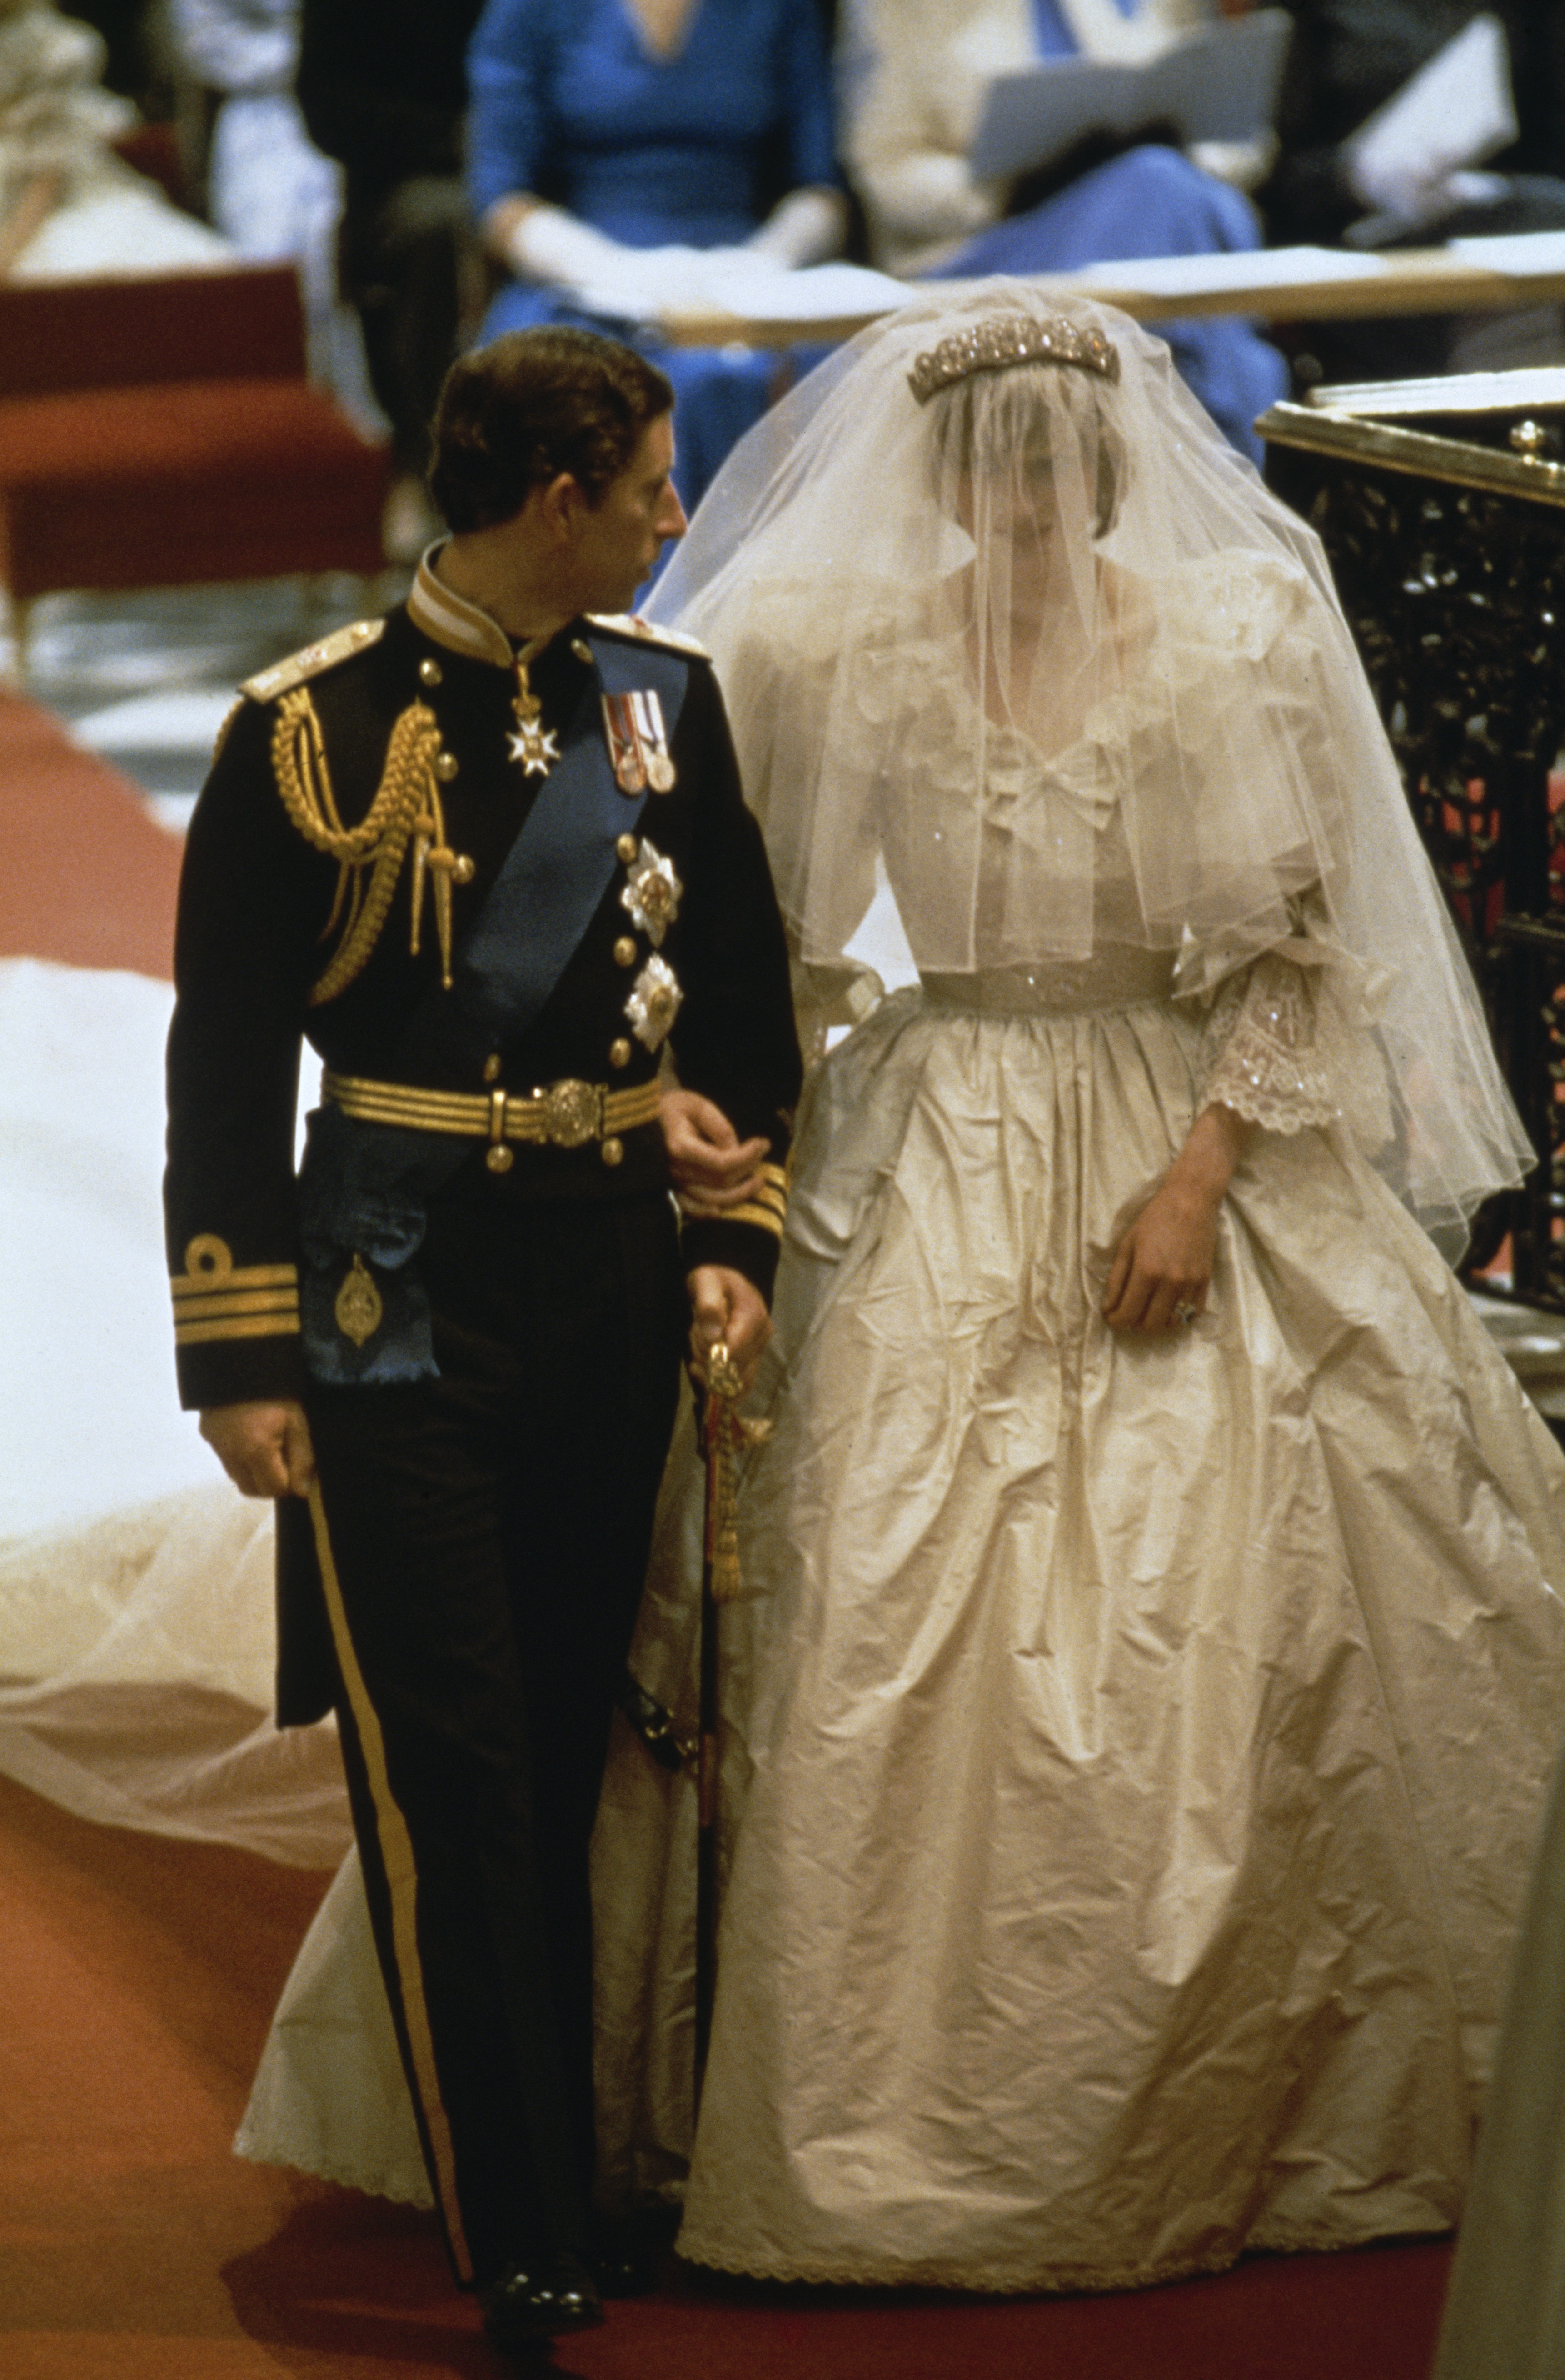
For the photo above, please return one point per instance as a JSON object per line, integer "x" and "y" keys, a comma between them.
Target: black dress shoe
{"x": 540, "y": 2299}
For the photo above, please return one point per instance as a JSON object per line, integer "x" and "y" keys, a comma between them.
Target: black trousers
{"x": 482, "y": 1541}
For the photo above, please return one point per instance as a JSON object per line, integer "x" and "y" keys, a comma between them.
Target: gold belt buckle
{"x": 573, "y": 1112}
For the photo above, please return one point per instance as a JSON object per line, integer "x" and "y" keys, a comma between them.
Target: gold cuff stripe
{"x": 764, "y": 1216}
{"x": 219, "y": 1304}
{"x": 226, "y": 1282}
{"x": 776, "y": 1174}
{"x": 402, "y": 1880}
{"x": 242, "y": 1325}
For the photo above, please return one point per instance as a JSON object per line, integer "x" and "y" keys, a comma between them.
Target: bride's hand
{"x": 1162, "y": 1267}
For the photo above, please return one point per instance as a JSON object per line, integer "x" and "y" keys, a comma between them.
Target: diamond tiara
{"x": 1006, "y": 340}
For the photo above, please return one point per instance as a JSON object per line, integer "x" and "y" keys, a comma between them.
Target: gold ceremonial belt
{"x": 564, "y": 1116}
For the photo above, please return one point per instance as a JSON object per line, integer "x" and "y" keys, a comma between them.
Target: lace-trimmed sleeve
{"x": 1262, "y": 1048}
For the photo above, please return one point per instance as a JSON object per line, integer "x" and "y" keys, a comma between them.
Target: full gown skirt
{"x": 1145, "y": 1737}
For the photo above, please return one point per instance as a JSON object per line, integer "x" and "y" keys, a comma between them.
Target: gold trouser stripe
{"x": 402, "y": 1879}
{"x": 243, "y": 1301}
{"x": 241, "y": 1326}
{"x": 472, "y": 1113}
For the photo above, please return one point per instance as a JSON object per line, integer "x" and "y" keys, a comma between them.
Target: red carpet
{"x": 90, "y": 878}
{"x": 137, "y": 1975}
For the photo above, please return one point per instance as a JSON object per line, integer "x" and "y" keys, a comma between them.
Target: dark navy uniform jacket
{"x": 263, "y": 915}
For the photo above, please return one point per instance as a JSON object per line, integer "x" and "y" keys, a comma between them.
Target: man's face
{"x": 620, "y": 538}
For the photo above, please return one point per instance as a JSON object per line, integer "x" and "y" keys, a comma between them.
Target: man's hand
{"x": 712, "y": 1171}
{"x": 263, "y": 1447}
{"x": 727, "y": 1307}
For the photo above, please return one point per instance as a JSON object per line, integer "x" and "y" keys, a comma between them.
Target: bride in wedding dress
{"x": 1156, "y": 1655}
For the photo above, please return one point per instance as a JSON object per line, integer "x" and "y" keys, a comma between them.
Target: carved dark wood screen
{"x": 1448, "y": 543}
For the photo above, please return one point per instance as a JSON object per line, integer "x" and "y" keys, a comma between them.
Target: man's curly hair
{"x": 515, "y": 414}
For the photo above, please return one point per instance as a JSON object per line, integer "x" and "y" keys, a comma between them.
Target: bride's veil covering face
{"x": 1045, "y": 644}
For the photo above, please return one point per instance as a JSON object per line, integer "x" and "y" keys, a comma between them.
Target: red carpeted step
{"x": 90, "y": 878}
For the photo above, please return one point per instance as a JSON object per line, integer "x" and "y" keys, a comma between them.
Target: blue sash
{"x": 562, "y": 863}
{"x": 364, "y": 1188}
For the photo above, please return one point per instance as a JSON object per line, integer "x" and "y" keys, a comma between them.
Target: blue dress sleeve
{"x": 805, "y": 80}
{"x": 508, "y": 77}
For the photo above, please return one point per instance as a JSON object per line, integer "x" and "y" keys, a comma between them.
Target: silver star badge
{"x": 652, "y": 894}
{"x": 535, "y": 747}
{"x": 654, "y": 1003}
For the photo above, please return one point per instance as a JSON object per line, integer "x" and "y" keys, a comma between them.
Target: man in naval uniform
{"x": 489, "y": 855}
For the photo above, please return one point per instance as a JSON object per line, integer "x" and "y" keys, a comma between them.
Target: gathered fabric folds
{"x": 1144, "y": 1739}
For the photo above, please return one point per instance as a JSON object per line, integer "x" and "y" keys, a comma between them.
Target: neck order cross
{"x": 535, "y": 747}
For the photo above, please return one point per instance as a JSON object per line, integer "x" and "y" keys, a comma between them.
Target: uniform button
{"x": 581, "y": 649}
{"x": 619, "y": 1053}
{"x": 613, "y": 1151}
{"x": 498, "y": 1159}
{"x": 625, "y": 951}
{"x": 492, "y": 1067}
{"x": 463, "y": 871}
{"x": 626, "y": 848}
{"x": 445, "y": 765}
{"x": 429, "y": 671}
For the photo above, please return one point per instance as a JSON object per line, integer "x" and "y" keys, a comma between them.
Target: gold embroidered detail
{"x": 654, "y": 1002}
{"x": 728, "y": 1433}
{"x": 407, "y": 807}
{"x": 311, "y": 660}
{"x": 359, "y": 1310}
{"x": 216, "y": 1298}
{"x": 769, "y": 1208}
{"x": 652, "y": 894}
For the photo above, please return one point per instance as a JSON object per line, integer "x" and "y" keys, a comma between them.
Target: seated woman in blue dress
{"x": 625, "y": 155}
{"x": 916, "y": 72}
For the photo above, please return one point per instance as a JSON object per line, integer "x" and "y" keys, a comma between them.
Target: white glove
{"x": 635, "y": 284}
{"x": 804, "y": 228}
{"x": 547, "y": 243}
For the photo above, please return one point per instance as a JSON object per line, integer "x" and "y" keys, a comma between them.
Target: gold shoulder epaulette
{"x": 625, "y": 623}
{"x": 311, "y": 660}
